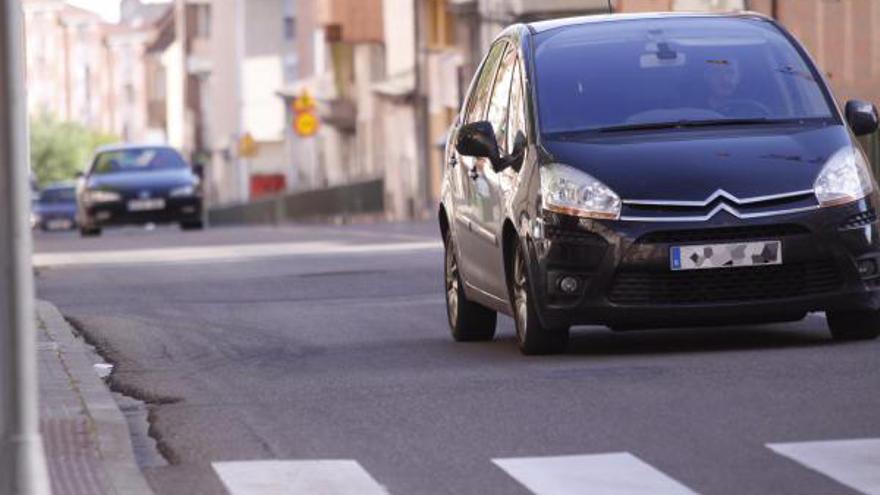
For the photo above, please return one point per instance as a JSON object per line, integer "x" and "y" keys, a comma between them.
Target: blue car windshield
{"x": 58, "y": 195}
{"x": 629, "y": 73}
{"x": 137, "y": 159}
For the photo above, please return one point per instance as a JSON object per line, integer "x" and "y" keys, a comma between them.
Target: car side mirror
{"x": 478, "y": 139}
{"x": 862, "y": 117}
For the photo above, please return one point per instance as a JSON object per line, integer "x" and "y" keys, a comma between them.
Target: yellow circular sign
{"x": 305, "y": 124}
{"x": 247, "y": 146}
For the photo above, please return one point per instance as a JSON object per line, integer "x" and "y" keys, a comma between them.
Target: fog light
{"x": 867, "y": 268}
{"x": 569, "y": 284}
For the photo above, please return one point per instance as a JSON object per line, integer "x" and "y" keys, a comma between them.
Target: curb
{"x": 110, "y": 426}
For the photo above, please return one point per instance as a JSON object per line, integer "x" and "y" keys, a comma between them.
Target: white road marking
{"x": 333, "y": 477}
{"x": 240, "y": 252}
{"x": 854, "y": 463}
{"x": 597, "y": 474}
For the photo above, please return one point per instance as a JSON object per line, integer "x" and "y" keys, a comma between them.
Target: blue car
{"x": 55, "y": 207}
{"x": 133, "y": 184}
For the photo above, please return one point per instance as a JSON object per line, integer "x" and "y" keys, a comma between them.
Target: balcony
{"x": 339, "y": 113}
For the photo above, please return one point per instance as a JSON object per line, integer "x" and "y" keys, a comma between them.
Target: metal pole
{"x": 423, "y": 202}
{"x": 22, "y": 462}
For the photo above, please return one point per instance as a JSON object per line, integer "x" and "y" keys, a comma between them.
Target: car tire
{"x": 195, "y": 225}
{"x": 854, "y": 325}
{"x": 90, "y": 231}
{"x": 468, "y": 321}
{"x": 532, "y": 337}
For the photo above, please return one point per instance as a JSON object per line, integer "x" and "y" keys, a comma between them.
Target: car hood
{"x": 691, "y": 164}
{"x": 151, "y": 180}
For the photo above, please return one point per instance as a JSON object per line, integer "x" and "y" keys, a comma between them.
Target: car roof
{"x": 131, "y": 146}
{"x": 548, "y": 25}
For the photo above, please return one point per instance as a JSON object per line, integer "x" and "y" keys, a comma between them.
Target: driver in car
{"x": 723, "y": 78}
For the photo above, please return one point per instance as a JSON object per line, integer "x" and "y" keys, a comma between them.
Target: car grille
{"x": 723, "y": 234}
{"x": 745, "y": 284}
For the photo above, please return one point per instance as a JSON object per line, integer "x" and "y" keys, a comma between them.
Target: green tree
{"x": 61, "y": 149}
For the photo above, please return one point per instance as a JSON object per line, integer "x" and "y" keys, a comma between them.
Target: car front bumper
{"x": 186, "y": 209}
{"x": 830, "y": 261}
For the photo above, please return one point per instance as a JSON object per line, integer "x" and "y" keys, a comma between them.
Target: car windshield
{"x": 137, "y": 159}
{"x": 58, "y": 195}
{"x": 634, "y": 74}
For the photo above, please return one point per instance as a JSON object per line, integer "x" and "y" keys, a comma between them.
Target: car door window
{"x": 498, "y": 104}
{"x": 476, "y": 106}
{"x": 517, "y": 114}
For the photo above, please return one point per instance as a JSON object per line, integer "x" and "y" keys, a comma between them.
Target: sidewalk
{"x": 86, "y": 437}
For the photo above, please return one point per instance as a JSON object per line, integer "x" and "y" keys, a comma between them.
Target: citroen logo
{"x": 144, "y": 194}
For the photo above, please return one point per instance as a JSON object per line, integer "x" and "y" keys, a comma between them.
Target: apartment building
{"x": 357, "y": 59}
{"x": 66, "y": 63}
{"x": 82, "y": 69}
{"x": 225, "y": 64}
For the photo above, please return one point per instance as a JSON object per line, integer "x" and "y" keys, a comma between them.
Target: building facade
{"x": 82, "y": 69}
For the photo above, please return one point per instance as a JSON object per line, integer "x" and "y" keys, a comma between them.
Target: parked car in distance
{"x": 656, "y": 170}
{"x": 138, "y": 184}
{"x": 54, "y": 207}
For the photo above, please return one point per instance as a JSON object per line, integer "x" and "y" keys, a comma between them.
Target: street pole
{"x": 22, "y": 461}
{"x": 423, "y": 190}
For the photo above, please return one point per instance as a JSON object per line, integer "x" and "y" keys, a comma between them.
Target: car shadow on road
{"x": 600, "y": 341}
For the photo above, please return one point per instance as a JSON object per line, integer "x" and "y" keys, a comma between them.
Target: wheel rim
{"x": 452, "y": 284}
{"x": 520, "y": 296}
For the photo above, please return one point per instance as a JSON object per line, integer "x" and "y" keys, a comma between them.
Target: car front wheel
{"x": 854, "y": 325}
{"x": 531, "y": 335}
{"x": 468, "y": 321}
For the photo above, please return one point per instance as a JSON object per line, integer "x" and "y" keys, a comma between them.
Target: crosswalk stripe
{"x": 854, "y": 463}
{"x": 597, "y": 474}
{"x": 323, "y": 477}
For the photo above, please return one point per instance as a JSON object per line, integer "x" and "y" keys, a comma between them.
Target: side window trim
{"x": 468, "y": 107}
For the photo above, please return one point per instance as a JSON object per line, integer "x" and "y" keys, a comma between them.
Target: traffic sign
{"x": 306, "y": 124}
{"x": 303, "y": 103}
{"x": 247, "y": 146}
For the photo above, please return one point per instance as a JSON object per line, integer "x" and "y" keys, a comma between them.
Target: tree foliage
{"x": 61, "y": 149}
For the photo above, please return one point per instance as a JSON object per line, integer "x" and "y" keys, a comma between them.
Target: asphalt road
{"x": 306, "y": 343}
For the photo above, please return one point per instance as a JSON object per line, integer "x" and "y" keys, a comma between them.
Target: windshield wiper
{"x": 680, "y": 124}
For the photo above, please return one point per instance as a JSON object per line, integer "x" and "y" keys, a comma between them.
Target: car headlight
{"x": 183, "y": 191}
{"x": 570, "y": 191}
{"x": 844, "y": 178}
{"x": 98, "y": 196}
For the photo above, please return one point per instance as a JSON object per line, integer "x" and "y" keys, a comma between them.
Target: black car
{"x": 656, "y": 170}
{"x": 138, "y": 185}
{"x": 54, "y": 207}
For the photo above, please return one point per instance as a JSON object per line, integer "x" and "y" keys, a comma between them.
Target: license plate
{"x": 731, "y": 255}
{"x": 146, "y": 204}
{"x": 59, "y": 224}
